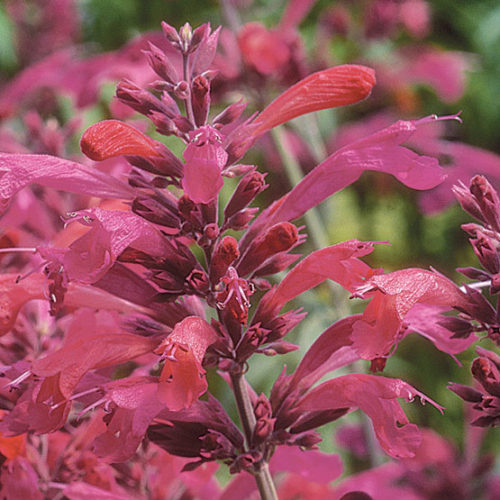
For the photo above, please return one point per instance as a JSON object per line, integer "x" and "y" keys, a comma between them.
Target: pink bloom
{"x": 19, "y": 480}
{"x": 381, "y": 152}
{"x": 182, "y": 379}
{"x": 442, "y": 70}
{"x": 14, "y": 295}
{"x": 466, "y": 161}
{"x": 415, "y": 16}
{"x": 337, "y": 86}
{"x": 377, "y": 397}
{"x": 81, "y": 79}
{"x": 112, "y": 231}
{"x": 18, "y": 171}
{"x": 205, "y": 158}
{"x": 38, "y": 32}
{"x": 111, "y": 138}
{"x": 426, "y": 320}
{"x": 395, "y": 295}
{"x": 136, "y": 405}
{"x": 254, "y": 40}
{"x": 74, "y": 359}
{"x": 295, "y": 11}
{"x": 339, "y": 263}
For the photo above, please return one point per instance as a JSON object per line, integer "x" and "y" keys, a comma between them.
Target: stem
{"x": 247, "y": 417}
{"x": 245, "y": 408}
{"x": 315, "y": 226}
{"x": 265, "y": 482}
{"x": 231, "y": 15}
{"x": 188, "y": 101}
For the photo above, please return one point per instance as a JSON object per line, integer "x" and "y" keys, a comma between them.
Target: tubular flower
{"x": 205, "y": 158}
{"x": 182, "y": 379}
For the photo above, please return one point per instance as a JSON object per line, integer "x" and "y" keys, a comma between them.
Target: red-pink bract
{"x": 18, "y": 171}
{"x": 205, "y": 158}
{"x": 336, "y": 86}
{"x": 377, "y": 397}
{"x": 111, "y": 138}
{"x": 182, "y": 380}
{"x": 394, "y": 295}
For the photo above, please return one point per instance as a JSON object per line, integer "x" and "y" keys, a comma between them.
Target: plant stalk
{"x": 247, "y": 417}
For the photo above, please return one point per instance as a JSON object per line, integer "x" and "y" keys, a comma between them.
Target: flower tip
{"x": 330, "y": 88}
{"x": 111, "y": 138}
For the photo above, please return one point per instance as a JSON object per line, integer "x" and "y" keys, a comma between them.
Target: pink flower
{"x": 427, "y": 320}
{"x": 395, "y": 294}
{"x": 381, "y": 152}
{"x": 89, "y": 257}
{"x": 111, "y": 138}
{"x": 377, "y": 397}
{"x": 19, "y": 170}
{"x": 205, "y": 158}
{"x": 339, "y": 263}
{"x": 254, "y": 41}
{"x": 182, "y": 379}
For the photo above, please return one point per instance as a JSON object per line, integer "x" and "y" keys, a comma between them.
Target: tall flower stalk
{"x": 136, "y": 280}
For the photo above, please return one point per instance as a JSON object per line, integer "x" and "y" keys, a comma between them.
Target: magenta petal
{"x": 19, "y": 480}
{"x": 330, "y": 351}
{"x": 202, "y": 179}
{"x": 377, "y": 397}
{"x": 381, "y": 152}
{"x": 19, "y": 170}
{"x": 339, "y": 263}
{"x": 137, "y": 406}
{"x": 75, "y": 359}
{"x": 424, "y": 320}
{"x": 112, "y": 231}
{"x": 395, "y": 294}
{"x": 314, "y": 466}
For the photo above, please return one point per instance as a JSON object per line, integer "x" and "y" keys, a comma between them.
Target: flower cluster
{"x": 113, "y": 321}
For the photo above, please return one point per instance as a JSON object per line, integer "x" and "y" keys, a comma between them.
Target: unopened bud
{"x": 278, "y": 238}
{"x": 161, "y": 64}
{"x": 248, "y": 188}
{"x": 181, "y": 90}
{"x": 186, "y": 35}
{"x": 201, "y": 99}
{"x": 241, "y": 219}
{"x": 171, "y": 34}
{"x": 224, "y": 255}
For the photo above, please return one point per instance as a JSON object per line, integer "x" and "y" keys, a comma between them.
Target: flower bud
{"x": 224, "y": 255}
{"x": 161, "y": 64}
{"x": 278, "y": 238}
{"x": 201, "y": 99}
{"x": 181, "y": 90}
{"x": 248, "y": 188}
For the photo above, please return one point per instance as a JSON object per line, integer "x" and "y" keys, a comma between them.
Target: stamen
{"x": 478, "y": 285}
{"x": 91, "y": 407}
{"x": 433, "y": 118}
{"x": 19, "y": 380}
{"x": 18, "y": 249}
{"x": 29, "y": 273}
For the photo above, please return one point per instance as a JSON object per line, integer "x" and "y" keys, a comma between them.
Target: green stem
{"x": 247, "y": 417}
{"x": 315, "y": 226}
